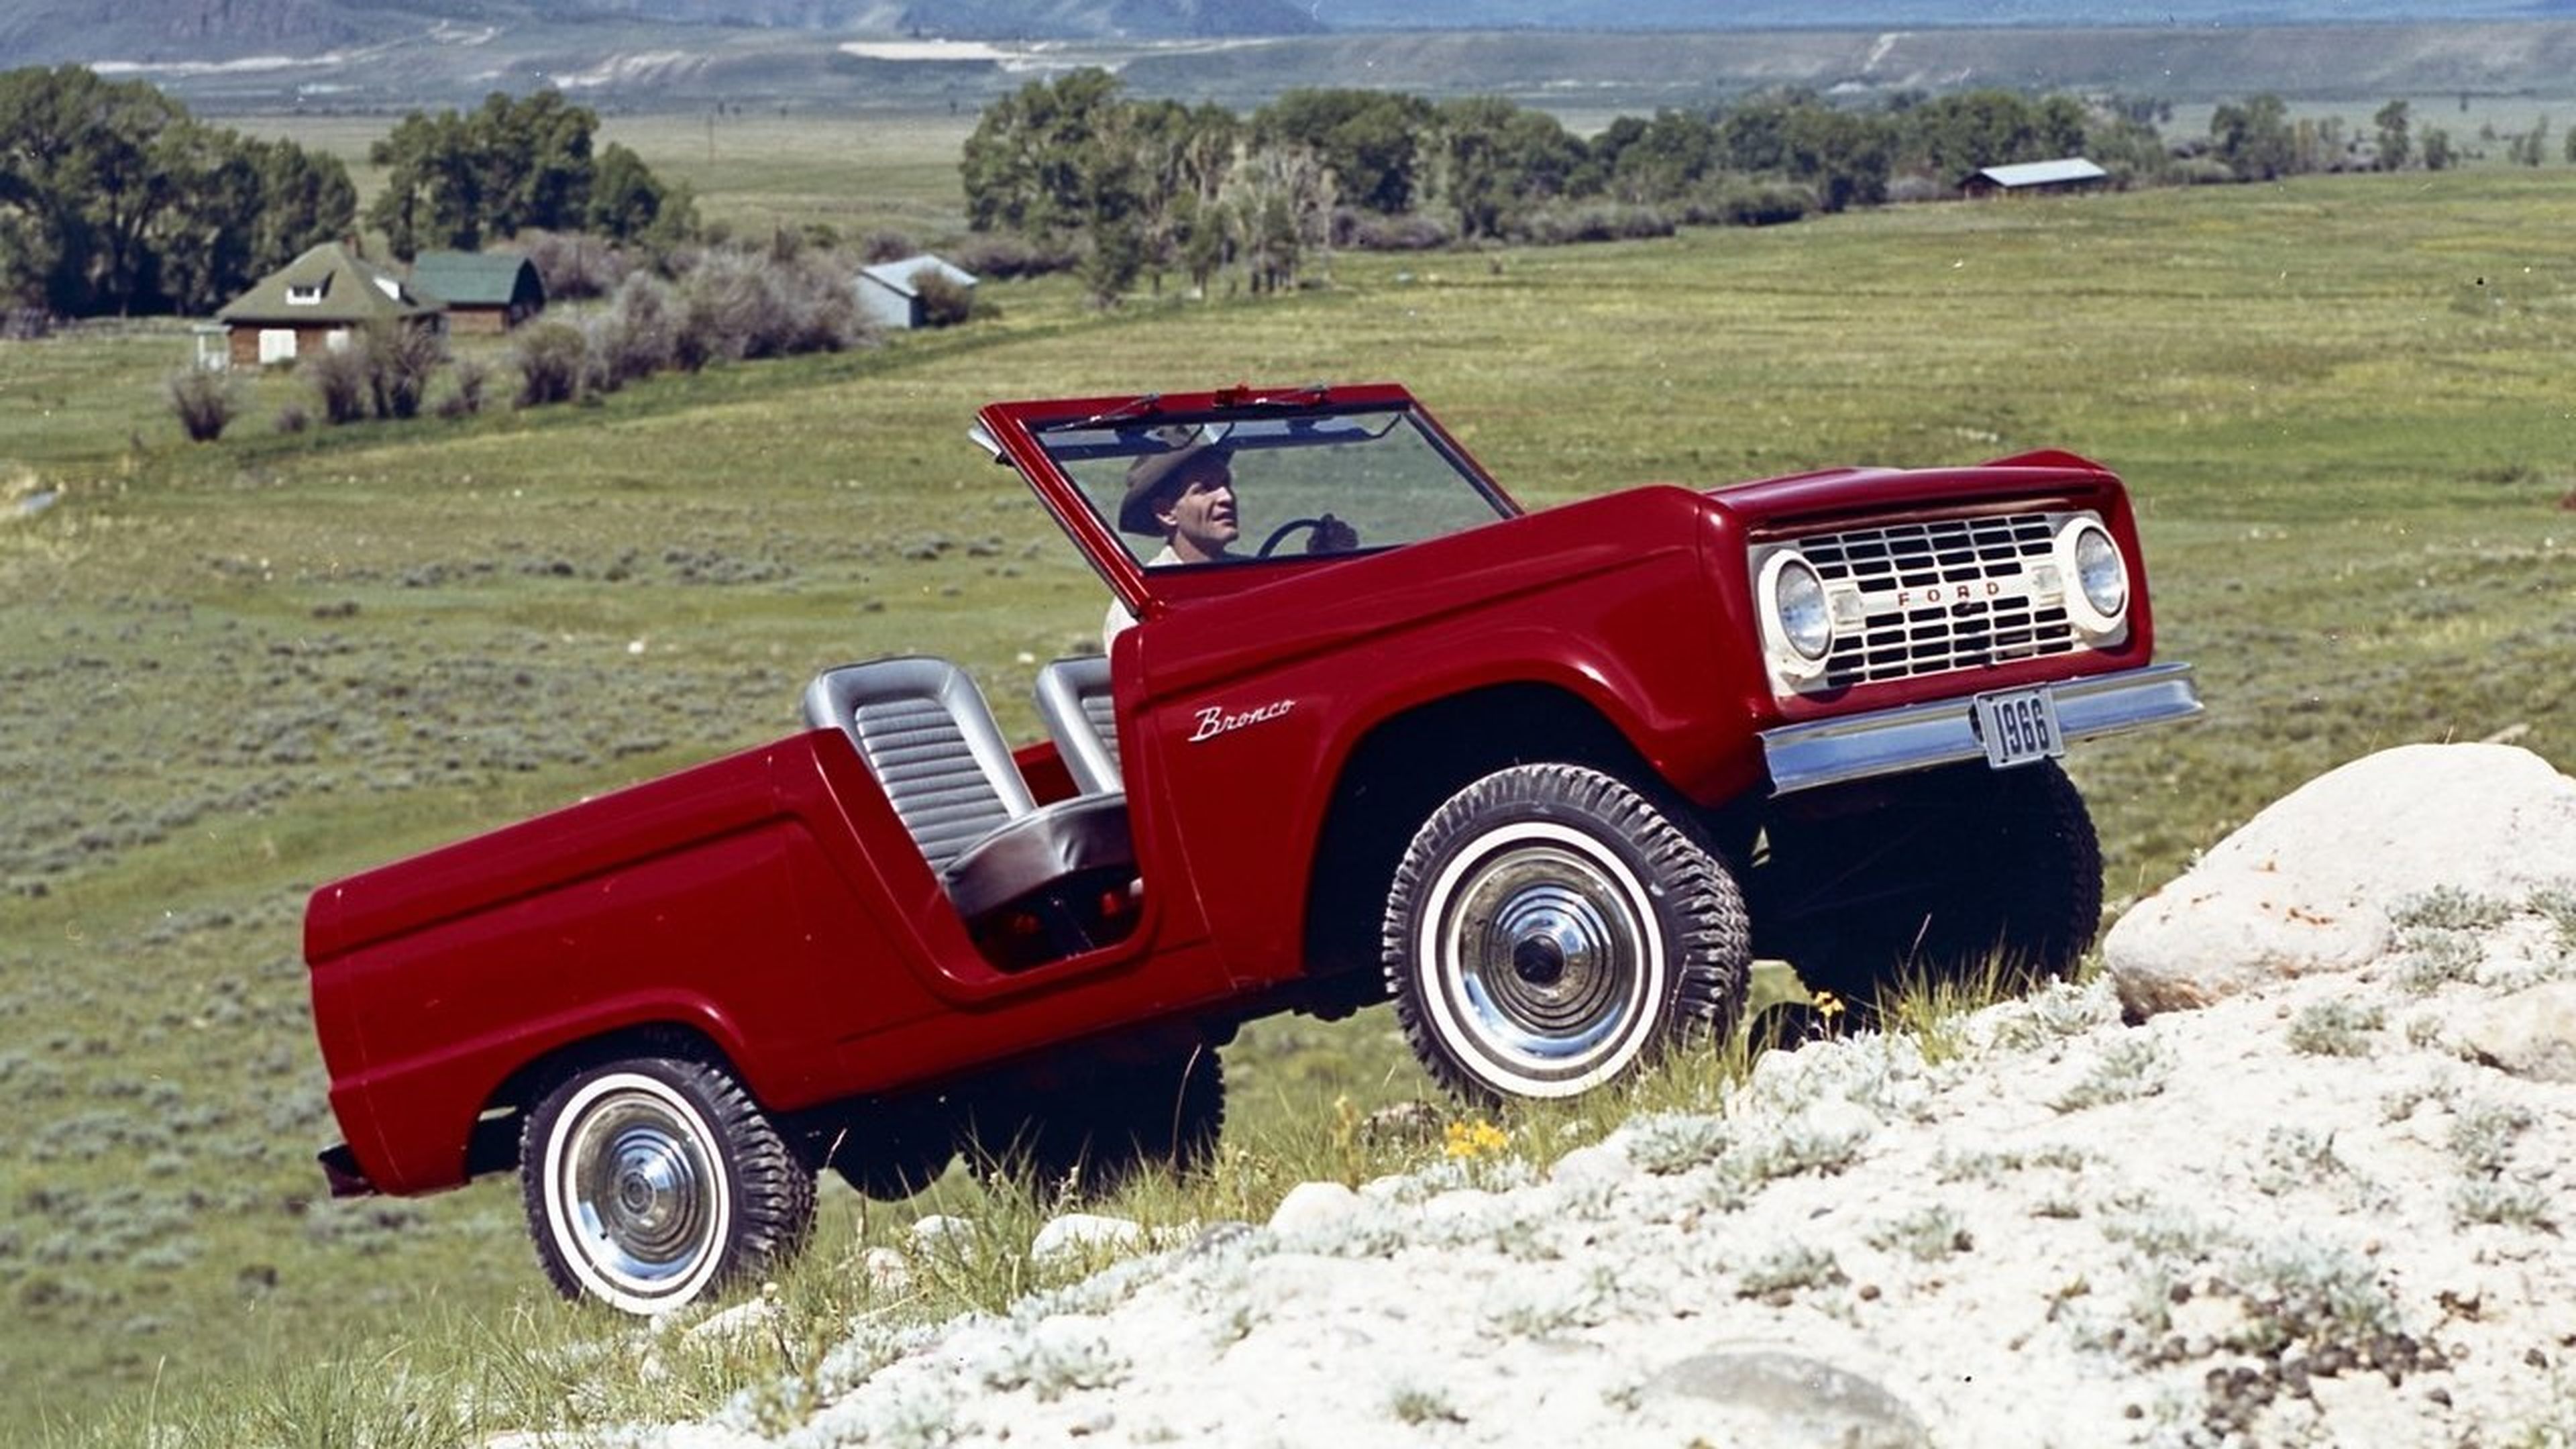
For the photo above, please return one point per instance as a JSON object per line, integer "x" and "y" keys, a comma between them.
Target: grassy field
{"x": 234, "y": 671}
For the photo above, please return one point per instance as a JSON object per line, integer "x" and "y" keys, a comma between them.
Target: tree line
{"x": 115, "y": 201}
{"x": 1127, "y": 188}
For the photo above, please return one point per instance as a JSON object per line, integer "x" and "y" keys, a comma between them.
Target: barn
{"x": 485, "y": 292}
{"x": 317, "y": 301}
{"x": 2036, "y": 178}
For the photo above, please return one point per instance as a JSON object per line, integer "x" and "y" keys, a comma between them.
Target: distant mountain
{"x": 162, "y": 31}
{"x": 1890, "y": 14}
{"x": 387, "y": 56}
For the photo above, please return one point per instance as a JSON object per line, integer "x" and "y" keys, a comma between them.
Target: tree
{"x": 2254, "y": 139}
{"x": 1280, "y": 201}
{"x": 1371, "y": 140}
{"x": 433, "y": 194}
{"x": 2437, "y": 149}
{"x": 2531, "y": 145}
{"x": 2394, "y": 144}
{"x": 1955, "y": 137}
{"x": 628, "y": 203}
{"x": 513, "y": 165}
{"x": 1023, "y": 166}
{"x": 536, "y": 159}
{"x": 113, "y": 199}
{"x": 1658, "y": 160}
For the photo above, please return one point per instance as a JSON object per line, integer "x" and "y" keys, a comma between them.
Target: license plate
{"x": 2019, "y": 728}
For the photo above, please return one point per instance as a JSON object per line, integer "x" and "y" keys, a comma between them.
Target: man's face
{"x": 1200, "y": 518}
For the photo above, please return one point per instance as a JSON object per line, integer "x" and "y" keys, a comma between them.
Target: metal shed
{"x": 2073, "y": 173}
{"x": 890, "y": 292}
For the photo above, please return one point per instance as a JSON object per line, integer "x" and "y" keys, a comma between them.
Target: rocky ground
{"x": 2294, "y": 1172}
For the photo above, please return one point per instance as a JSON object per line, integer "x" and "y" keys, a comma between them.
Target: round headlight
{"x": 2101, "y": 575}
{"x": 1798, "y": 605}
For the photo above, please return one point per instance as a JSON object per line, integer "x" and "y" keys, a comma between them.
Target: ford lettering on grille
{"x": 1940, "y": 596}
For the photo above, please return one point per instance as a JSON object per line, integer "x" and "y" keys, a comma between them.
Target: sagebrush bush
{"x": 639, "y": 335}
{"x": 944, "y": 303}
{"x": 1587, "y": 222}
{"x": 992, "y": 254}
{"x": 755, "y": 305}
{"x": 548, "y": 358}
{"x": 204, "y": 402}
{"x": 472, "y": 375}
{"x": 399, "y": 360}
{"x": 339, "y": 378}
{"x": 886, "y": 246}
{"x": 1750, "y": 203}
{"x": 1412, "y": 232}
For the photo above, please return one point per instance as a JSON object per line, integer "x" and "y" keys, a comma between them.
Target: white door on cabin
{"x": 276, "y": 344}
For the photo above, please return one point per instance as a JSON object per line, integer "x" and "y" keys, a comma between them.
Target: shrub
{"x": 1411, "y": 232}
{"x": 944, "y": 303}
{"x": 204, "y": 403}
{"x": 399, "y": 360}
{"x": 997, "y": 255}
{"x": 1588, "y": 222}
{"x": 339, "y": 376}
{"x": 1751, "y": 203}
{"x": 471, "y": 377}
{"x": 751, "y": 305}
{"x": 886, "y": 246}
{"x": 292, "y": 418}
{"x": 548, "y": 358}
{"x": 641, "y": 335}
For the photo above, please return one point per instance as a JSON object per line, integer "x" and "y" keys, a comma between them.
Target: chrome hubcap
{"x": 645, "y": 1198}
{"x": 1545, "y": 957}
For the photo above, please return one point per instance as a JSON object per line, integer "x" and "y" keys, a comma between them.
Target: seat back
{"x": 927, "y": 735}
{"x": 1082, "y": 718}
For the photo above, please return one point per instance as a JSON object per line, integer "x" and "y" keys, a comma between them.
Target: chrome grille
{"x": 1941, "y": 596}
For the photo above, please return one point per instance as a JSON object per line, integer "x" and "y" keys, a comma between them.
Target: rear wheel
{"x": 1549, "y": 929}
{"x": 651, "y": 1182}
{"x": 1942, "y": 876}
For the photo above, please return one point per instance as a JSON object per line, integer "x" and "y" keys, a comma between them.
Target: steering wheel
{"x": 1329, "y": 535}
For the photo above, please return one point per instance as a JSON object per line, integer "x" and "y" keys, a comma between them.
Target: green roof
{"x": 328, "y": 285}
{"x": 478, "y": 279}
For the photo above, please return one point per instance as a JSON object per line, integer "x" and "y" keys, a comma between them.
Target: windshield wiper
{"x": 1133, "y": 407}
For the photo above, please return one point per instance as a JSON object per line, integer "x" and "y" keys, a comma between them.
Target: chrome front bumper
{"x": 1944, "y": 732}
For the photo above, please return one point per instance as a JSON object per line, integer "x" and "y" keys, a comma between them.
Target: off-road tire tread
{"x": 1708, "y": 934}
{"x": 774, "y": 1188}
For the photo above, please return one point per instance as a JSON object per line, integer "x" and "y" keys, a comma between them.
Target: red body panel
{"x": 773, "y": 903}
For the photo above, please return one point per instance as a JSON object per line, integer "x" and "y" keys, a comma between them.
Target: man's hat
{"x": 1150, "y": 476}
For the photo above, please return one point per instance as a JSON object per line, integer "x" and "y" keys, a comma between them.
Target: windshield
{"x": 1294, "y": 479}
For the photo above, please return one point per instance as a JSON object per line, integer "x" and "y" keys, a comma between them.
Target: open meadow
{"x": 230, "y": 672}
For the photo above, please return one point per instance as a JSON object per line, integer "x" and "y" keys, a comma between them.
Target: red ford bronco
{"x": 1550, "y": 781}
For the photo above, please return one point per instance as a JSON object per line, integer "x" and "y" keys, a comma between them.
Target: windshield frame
{"x": 1016, "y": 434}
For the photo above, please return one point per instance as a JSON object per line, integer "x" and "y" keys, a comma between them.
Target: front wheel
{"x": 652, "y": 1181}
{"x": 1956, "y": 875}
{"x": 1549, "y": 929}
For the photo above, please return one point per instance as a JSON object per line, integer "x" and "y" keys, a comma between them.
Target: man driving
{"x": 1185, "y": 497}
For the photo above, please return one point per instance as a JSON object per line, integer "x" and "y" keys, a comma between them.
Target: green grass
{"x": 234, "y": 671}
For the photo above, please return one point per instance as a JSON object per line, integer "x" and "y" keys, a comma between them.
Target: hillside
{"x": 345, "y": 55}
{"x": 2323, "y": 1210}
{"x": 238, "y": 670}
{"x": 337, "y": 65}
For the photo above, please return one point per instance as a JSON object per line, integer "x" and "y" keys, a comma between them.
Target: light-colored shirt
{"x": 1119, "y": 620}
